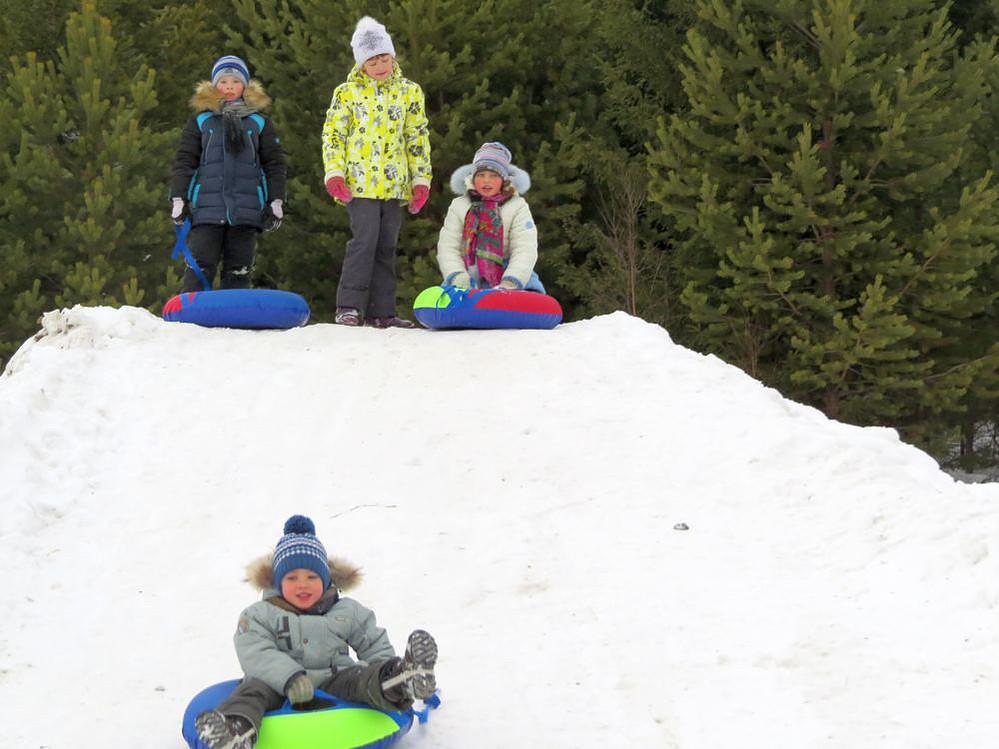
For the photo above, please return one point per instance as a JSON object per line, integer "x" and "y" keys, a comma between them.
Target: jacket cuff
{"x": 515, "y": 280}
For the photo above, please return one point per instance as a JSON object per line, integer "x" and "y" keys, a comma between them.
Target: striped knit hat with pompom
{"x": 299, "y": 548}
{"x": 230, "y": 65}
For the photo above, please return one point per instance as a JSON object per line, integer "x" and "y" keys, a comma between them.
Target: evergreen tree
{"x": 32, "y": 26}
{"x": 977, "y": 424}
{"x": 974, "y": 18}
{"x": 80, "y": 217}
{"x": 180, "y": 41}
{"x": 619, "y": 257}
{"x": 829, "y": 241}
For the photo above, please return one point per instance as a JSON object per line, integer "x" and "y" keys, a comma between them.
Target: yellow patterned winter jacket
{"x": 376, "y": 136}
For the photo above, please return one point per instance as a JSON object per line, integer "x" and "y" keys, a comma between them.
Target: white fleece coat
{"x": 520, "y": 239}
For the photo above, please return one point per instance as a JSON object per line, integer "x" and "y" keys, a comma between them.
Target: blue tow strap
{"x": 431, "y": 703}
{"x": 182, "y": 230}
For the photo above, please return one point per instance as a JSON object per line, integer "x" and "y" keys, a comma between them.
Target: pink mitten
{"x": 337, "y": 188}
{"x": 419, "y": 199}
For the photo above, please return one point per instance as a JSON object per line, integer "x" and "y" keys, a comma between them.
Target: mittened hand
{"x": 273, "y": 218}
{"x": 299, "y": 689}
{"x": 337, "y": 188}
{"x": 461, "y": 281}
{"x": 506, "y": 284}
{"x": 419, "y": 199}
{"x": 177, "y": 211}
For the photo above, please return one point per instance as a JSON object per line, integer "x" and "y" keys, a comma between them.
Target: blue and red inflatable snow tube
{"x": 251, "y": 309}
{"x": 447, "y": 307}
{"x": 333, "y": 724}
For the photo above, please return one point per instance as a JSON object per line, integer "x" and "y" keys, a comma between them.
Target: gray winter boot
{"x": 417, "y": 666}
{"x": 347, "y": 316}
{"x": 218, "y": 731}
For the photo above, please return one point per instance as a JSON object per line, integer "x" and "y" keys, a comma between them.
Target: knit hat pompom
{"x": 299, "y": 524}
{"x": 230, "y": 65}
{"x": 299, "y": 548}
{"x": 370, "y": 39}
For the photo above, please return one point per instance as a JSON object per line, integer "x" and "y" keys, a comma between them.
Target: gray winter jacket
{"x": 275, "y": 641}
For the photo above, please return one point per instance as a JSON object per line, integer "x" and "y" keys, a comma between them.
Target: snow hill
{"x": 616, "y": 541}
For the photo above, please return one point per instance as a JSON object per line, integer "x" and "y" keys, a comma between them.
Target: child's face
{"x": 378, "y": 67}
{"x": 301, "y": 588}
{"x": 487, "y": 183}
{"x": 230, "y": 87}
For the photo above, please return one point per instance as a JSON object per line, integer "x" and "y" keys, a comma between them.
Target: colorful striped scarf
{"x": 482, "y": 238}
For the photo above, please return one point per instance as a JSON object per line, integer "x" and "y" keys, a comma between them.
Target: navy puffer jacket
{"x": 219, "y": 184}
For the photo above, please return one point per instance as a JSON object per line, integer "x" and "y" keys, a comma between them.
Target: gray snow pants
{"x": 252, "y": 698}
{"x": 367, "y": 281}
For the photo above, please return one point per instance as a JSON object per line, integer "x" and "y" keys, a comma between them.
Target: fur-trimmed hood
{"x": 343, "y": 574}
{"x": 206, "y": 97}
{"x": 461, "y": 179}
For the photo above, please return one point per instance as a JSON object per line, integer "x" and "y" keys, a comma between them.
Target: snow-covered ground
{"x": 616, "y": 541}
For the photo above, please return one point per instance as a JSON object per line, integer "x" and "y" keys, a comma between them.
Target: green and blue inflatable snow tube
{"x": 448, "y": 307}
{"x": 250, "y": 309}
{"x": 333, "y": 724}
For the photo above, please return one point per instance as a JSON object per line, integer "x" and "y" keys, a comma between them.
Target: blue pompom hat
{"x": 231, "y": 65}
{"x": 299, "y": 548}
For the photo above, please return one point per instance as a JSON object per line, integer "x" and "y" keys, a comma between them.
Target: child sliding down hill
{"x": 297, "y": 638}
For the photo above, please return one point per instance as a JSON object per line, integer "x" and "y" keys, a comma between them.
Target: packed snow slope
{"x": 616, "y": 541}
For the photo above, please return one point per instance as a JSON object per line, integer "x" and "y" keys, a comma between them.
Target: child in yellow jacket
{"x": 376, "y": 157}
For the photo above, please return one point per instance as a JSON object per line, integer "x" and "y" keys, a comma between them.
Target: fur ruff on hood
{"x": 206, "y": 97}
{"x": 461, "y": 179}
{"x": 343, "y": 574}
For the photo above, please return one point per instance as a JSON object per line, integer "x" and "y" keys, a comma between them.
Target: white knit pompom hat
{"x": 370, "y": 39}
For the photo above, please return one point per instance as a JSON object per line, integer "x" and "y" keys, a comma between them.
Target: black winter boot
{"x": 416, "y": 671}
{"x": 389, "y": 322}
{"x": 218, "y": 731}
{"x": 398, "y": 692}
{"x": 420, "y": 659}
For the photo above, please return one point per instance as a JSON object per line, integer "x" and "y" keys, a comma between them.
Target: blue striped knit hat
{"x": 230, "y": 65}
{"x": 299, "y": 548}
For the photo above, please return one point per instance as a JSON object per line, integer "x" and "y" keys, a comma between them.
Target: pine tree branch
{"x": 807, "y": 34}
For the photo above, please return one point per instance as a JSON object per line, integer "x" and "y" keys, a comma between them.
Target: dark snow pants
{"x": 367, "y": 281}
{"x": 252, "y": 698}
{"x": 233, "y": 246}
